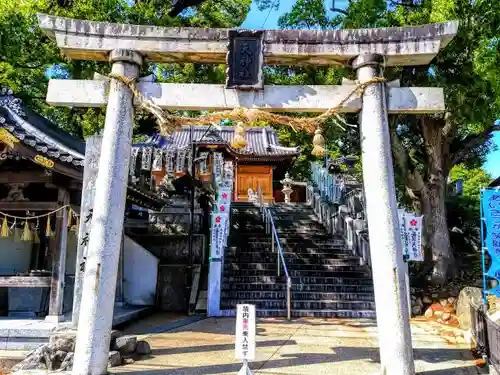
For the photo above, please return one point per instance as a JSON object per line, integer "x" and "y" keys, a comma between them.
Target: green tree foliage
{"x": 27, "y": 57}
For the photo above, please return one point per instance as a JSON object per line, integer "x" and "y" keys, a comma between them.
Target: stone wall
{"x": 172, "y": 294}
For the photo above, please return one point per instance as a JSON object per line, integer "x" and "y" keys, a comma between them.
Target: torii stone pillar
{"x": 396, "y": 352}
{"x": 101, "y": 269}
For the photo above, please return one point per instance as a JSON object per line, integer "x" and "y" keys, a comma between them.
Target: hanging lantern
{"x": 239, "y": 136}
{"x": 5, "y": 228}
{"x": 27, "y": 235}
{"x": 48, "y": 229}
{"x": 318, "y": 144}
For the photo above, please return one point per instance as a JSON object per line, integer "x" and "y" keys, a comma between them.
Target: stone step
{"x": 309, "y": 288}
{"x": 300, "y": 304}
{"x": 238, "y": 265}
{"x": 296, "y": 295}
{"x": 297, "y": 273}
{"x": 291, "y": 259}
{"x": 312, "y": 255}
{"x": 347, "y": 314}
{"x": 298, "y": 252}
{"x": 265, "y": 279}
{"x": 258, "y": 241}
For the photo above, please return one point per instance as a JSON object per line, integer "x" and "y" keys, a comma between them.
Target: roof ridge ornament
{"x": 7, "y": 99}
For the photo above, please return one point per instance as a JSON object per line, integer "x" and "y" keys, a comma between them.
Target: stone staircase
{"x": 327, "y": 281}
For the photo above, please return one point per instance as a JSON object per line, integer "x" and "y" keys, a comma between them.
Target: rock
{"x": 419, "y": 302}
{"x": 56, "y": 359}
{"x": 34, "y": 361}
{"x": 446, "y": 316}
{"x": 437, "y": 307}
{"x": 128, "y": 361}
{"x": 114, "y": 359}
{"x": 67, "y": 364}
{"x": 413, "y": 298}
{"x": 443, "y": 302}
{"x": 64, "y": 341}
{"x": 449, "y": 309}
{"x": 114, "y": 335}
{"x": 429, "y": 314}
{"x": 426, "y": 300}
{"x": 416, "y": 310}
{"x": 468, "y": 297}
{"x": 143, "y": 348}
{"x": 434, "y": 311}
{"x": 126, "y": 344}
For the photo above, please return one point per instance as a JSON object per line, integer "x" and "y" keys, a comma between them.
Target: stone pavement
{"x": 305, "y": 346}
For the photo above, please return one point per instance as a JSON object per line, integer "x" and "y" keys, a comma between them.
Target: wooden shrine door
{"x": 253, "y": 177}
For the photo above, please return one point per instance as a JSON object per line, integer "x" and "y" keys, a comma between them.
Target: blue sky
{"x": 269, "y": 20}
{"x": 492, "y": 165}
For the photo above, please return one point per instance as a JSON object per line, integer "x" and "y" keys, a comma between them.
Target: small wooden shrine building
{"x": 261, "y": 163}
{"x": 41, "y": 171}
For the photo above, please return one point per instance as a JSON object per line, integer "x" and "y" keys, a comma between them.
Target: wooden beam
{"x": 28, "y": 206}
{"x": 192, "y": 96}
{"x": 23, "y": 177}
{"x": 58, "y": 248}
{"x": 25, "y": 281}
{"x": 59, "y": 166}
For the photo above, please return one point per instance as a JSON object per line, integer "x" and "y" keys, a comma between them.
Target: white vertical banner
{"x": 414, "y": 237}
{"x": 218, "y": 235}
{"x": 402, "y": 231}
{"x": 245, "y": 332}
{"x": 224, "y": 200}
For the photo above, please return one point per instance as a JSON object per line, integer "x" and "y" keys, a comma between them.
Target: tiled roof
{"x": 261, "y": 141}
{"x": 47, "y": 138}
{"x": 38, "y": 132}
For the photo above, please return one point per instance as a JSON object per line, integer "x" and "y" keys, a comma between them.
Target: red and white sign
{"x": 245, "y": 332}
{"x": 413, "y": 226}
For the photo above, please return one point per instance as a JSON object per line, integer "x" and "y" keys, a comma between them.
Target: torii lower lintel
{"x": 275, "y": 98}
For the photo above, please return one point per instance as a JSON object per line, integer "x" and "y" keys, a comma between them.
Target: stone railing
{"x": 341, "y": 210}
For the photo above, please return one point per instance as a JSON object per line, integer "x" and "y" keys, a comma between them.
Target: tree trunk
{"x": 436, "y": 234}
{"x": 427, "y": 190}
{"x": 433, "y": 197}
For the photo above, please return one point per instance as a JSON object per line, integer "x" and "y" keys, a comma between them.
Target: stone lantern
{"x": 287, "y": 187}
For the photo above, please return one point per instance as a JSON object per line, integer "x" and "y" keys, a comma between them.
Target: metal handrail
{"x": 268, "y": 220}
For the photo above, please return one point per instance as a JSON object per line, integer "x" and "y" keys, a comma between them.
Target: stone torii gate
{"x": 367, "y": 51}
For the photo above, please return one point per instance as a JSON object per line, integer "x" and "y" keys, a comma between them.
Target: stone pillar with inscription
{"x": 91, "y": 167}
{"x": 101, "y": 266}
